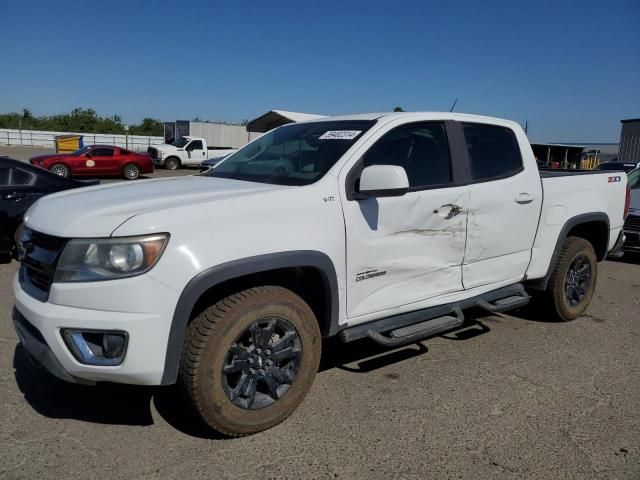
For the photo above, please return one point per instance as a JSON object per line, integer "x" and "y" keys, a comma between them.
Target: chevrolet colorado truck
{"x": 378, "y": 226}
{"x": 186, "y": 152}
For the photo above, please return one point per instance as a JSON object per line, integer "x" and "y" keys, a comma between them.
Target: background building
{"x": 630, "y": 140}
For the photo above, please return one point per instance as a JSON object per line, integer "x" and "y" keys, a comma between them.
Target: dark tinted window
{"x": 195, "y": 145}
{"x": 102, "y": 152}
{"x": 4, "y": 176}
{"x": 493, "y": 151}
{"x": 20, "y": 177}
{"x": 124, "y": 152}
{"x": 420, "y": 148}
{"x": 15, "y": 177}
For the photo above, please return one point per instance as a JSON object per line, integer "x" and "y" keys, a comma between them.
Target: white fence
{"x": 38, "y": 138}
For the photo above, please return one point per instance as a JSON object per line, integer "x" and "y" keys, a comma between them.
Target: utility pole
{"x": 526, "y": 127}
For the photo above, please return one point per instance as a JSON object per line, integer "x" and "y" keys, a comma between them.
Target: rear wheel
{"x": 60, "y": 169}
{"x": 250, "y": 359}
{"x": 172, "y": 163}
{"x": 573, "y": 280}
{"x": 131, "y": 171}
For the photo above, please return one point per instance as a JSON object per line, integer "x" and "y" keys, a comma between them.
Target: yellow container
{"x": 68, "y": 143}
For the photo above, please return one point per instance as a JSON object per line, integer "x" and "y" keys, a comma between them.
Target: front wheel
{"x": 172, "y": 163}
{"x": 573, "y": 280}
{"x": 60, "y": 169}
{"x": 250, "y": 359}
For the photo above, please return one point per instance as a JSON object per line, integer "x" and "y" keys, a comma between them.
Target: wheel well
{"x": 595, "y": 232}
{"x": 307, "y": 282}
{"x": 174, "y": 157}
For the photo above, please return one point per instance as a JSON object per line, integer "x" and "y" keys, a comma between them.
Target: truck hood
{"x": 98, "y": 211}
{"x": 165, "y": 147}
{"x": 40, "y": 158}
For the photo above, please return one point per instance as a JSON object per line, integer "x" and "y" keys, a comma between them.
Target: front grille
{"x": 41, "y": 254}
{"x": 632, "y": 223}
{"x": 153, "y": 152}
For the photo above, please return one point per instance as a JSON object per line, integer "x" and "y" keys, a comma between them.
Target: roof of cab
{"x": 463, "y": 117}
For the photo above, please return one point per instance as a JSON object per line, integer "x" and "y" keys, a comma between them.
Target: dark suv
{"x": 632, "y": 223}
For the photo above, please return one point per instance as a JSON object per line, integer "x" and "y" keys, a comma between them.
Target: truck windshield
{"x": 297, "y": 154}
{"x": 180, "y": 142}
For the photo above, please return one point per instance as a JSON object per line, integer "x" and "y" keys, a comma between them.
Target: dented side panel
{"x": 404, "y": 249}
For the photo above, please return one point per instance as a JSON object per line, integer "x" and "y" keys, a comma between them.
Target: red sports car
{"x": 97, "y": 161}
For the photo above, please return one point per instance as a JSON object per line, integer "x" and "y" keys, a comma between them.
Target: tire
{"x": 131, "y": 171}
{"x": 564, "y": 303}
{"x": 172, "y": 163}
{"x": 223, "y": 335}
{"x": 60, "y": 169}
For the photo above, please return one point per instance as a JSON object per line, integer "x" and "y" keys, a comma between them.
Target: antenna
{"x": 454, "y": 105}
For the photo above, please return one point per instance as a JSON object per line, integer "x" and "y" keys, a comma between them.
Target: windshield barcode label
{"x": 340, "y": 135}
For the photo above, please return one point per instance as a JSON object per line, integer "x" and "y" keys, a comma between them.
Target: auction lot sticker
{"x": 340, "y": 135}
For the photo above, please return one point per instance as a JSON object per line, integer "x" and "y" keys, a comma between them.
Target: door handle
{"x": 452, "y": 212}
{"x": 524, "y": 198}
{"x": 13, "y": 196}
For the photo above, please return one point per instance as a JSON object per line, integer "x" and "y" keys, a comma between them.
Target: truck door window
{"x": 493, "y": 151}
{"x": 195, "y": 145}
{"x": 421, "y": 149}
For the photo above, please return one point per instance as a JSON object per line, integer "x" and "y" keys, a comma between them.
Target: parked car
{"x": 382, "y": 226}
{"x": 20, "y": 186}
{"x": 621, "y": 166}
{"x": 186, "y": 152}
{"x": 632, "y": 223}
{"x": 212, "y": 162}
{"x": 97, "y": 161}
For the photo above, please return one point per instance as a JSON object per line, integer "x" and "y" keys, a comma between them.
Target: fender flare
{"x": 213, "y": 276}
{"x": 541, "y": 283}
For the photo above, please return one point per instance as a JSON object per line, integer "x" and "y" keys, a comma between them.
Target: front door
{"x": 100, "y": 160}
{"x": 196, "y": 153}
{"x": 405, "y": 249}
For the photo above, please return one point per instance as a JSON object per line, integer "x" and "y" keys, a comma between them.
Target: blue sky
{"x": 571, "y": 68}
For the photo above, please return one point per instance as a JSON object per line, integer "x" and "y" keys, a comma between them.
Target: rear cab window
{"x": 494, "y": 152}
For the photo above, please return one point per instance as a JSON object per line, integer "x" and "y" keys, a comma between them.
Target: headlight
{"x": 92, "y": 260}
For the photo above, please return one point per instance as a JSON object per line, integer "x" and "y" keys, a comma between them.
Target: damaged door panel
{"x": 404, "y": 249}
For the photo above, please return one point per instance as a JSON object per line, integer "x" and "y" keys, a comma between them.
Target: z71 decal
{"x": 615, "y": 179}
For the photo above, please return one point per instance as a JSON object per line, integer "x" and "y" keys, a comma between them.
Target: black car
{"x": 620, "y": 166}
{"x": 21, "y": 185}
{"x": 212, "y": 162}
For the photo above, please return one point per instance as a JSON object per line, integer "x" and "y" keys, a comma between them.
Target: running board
{"x": 418, "y": 331}
{"x": 418, "y": 322}
{"x": 520, "y": 299}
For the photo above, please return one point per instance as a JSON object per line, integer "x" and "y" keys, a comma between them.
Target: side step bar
{"x": 413, "y": 326}
{"x": 418, "y": 331}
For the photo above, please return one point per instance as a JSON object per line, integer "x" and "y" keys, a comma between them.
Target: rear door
{"x": 505, "y": 200}
{"x": 404, "y": 249}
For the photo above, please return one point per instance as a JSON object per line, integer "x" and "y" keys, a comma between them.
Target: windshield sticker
{"x": 340, "y": 135}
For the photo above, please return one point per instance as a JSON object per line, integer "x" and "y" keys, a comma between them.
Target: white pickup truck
{"x": 379, "y": 226}
{"x": 186, "y": 152}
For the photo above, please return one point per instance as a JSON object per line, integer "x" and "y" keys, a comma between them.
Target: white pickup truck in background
{"x": 378, "y": 226}
{"x": 186, "y": 152}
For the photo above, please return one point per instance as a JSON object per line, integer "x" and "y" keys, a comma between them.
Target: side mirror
{"x": 88, "y": 155}
{"x": 382, "y": 181}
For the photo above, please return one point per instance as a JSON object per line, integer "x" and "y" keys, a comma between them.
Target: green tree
{"x": 398, "y": 109}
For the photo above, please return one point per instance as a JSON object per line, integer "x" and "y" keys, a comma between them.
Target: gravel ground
{"x": 507, "y": 397}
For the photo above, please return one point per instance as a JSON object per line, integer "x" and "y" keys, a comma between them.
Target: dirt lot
{"x": 506, "y": 397}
